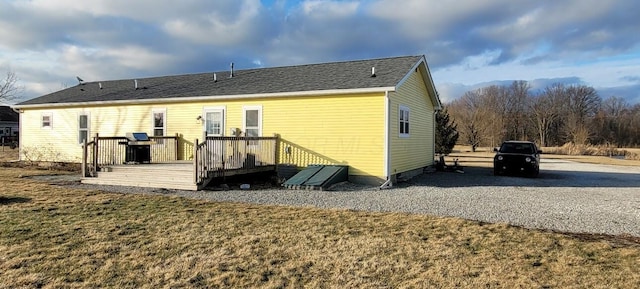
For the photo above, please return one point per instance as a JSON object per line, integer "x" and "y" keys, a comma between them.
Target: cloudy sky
{"x": 467, "y": 43}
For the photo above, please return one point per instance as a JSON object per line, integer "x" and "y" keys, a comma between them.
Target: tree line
{"x": 554, "y": 116}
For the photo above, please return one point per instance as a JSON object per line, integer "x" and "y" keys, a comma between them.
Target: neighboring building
{"x": 376, "y": 116}
{"x": 9, "y": 126}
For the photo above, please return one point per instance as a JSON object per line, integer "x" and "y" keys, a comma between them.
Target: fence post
{"x": 195, "y": 161}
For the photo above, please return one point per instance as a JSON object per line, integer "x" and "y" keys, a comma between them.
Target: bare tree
{"x": 584, "y": 103}
{"x": 609, "y": 123}
{"x": 557, "y": 115}
{"x": 9, "y": 88}
{"x": 544, "y": 114}
{"x": 466, "y": 113}
{"x": 517, "y": 111}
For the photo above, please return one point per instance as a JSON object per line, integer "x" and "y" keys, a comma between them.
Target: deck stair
{"x": 158, "y": 175}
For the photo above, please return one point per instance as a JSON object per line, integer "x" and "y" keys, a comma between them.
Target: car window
{"x": 508, "y": 148}
{"x": 512, "y": 148}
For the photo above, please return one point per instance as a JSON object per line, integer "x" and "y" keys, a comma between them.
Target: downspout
{"x": 433, "y": 131}
{"x": 436, "y": 107}
{"x": 387, "y": 142}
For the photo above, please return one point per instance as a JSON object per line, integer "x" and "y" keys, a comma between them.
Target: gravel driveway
{"x": 567, "y": 196}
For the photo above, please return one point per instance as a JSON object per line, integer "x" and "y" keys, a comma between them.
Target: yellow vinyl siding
{"x": 337, "y": 129}
{"x": 341, "y": 129}
{"x": 416, "y": 150}
{"x": 345, "y": 130}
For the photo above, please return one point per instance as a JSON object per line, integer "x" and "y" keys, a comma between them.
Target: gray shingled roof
{"x": 311, "y": 77}
{"x": 7, "y": 114}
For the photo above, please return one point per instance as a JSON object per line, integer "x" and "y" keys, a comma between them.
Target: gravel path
{"x": 568, "y": 196}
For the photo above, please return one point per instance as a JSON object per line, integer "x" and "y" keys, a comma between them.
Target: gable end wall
{"x": 416, "y": 151}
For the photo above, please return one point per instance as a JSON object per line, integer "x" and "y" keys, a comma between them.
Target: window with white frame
{"x": 252, "y": 121}
{"x": 47, "y": 120}
{"x": 159, "y": 122}
{"x": 83, "y": 127}
{"x": 403, "y": 114}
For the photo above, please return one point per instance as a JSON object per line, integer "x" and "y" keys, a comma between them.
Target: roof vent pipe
{"x": 100, "y": 85}
{"x": 135, "y": 83}
{"x": 215, "y": 78}
{"x": 373, "y": 71}
{"x": 231, "y": 75}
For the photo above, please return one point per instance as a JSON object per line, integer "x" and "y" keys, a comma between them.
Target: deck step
{"x": 169, "y": 176}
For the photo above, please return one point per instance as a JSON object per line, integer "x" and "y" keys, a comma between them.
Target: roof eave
{"x": 209, "y": 98}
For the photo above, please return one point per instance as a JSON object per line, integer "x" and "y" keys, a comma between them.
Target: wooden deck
{"x": 103, "y": 161}
{"x": 175, "y": 175}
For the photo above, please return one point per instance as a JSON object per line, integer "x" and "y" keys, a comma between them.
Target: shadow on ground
{"x": 13, "y": 200}
{"x": 478, "y": 177}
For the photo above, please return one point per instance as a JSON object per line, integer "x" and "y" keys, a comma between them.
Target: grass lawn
{"x": 53, "y": 236}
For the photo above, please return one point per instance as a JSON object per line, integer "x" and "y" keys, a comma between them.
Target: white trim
{"x": 213, "y": 97}
{"x": 402, "y": 108}
{"x": 428, "y": 81}
{"x": 88, "y": 115}
{"x": 153, "y": 121}
{"x": 387, "y": 141}
{"x": 50, "y": 115}
{"x": 244, "y": 118}
{"x": 223, "y": 109}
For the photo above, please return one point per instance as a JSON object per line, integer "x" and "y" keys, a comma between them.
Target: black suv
{"x": 517, "y": 157}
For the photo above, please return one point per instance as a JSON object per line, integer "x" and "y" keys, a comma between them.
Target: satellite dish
{"x": 79, "y": 79}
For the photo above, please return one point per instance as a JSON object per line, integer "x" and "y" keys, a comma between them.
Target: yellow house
{"x": 376, "y": 116}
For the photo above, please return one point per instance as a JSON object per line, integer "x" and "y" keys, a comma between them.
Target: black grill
{"x": 138, "y": 148}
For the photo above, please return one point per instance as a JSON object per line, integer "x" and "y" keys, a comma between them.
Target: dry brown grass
{"x": 8, "y": 154}
{"x": 52, "y": 236}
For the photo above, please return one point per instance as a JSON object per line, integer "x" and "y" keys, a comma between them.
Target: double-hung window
{"x": 252, "y": 121}
{"x": 83, "y": 127}
{"x": 46, "y": 120}
{"x": 403, "y": 113}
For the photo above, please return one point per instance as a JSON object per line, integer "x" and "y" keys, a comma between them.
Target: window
{"x": 404, "y": 121}
{"x": 252, "y": 121}
{"x": 159, "y": 122}
{"x": 214, "y": 121}
{"x": 83, "y": 127}
{"x": 47, "y": 120}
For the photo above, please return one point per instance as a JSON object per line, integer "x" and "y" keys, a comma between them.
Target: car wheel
{"x": 535, "y": 173}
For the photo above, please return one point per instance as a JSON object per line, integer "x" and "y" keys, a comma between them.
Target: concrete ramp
{"x": 318, "y": 177}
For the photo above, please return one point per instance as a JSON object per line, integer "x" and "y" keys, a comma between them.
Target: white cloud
{"x": 466, "y": 42}
{"x": 214, "y": 29}
{"x": 319, "y": 9}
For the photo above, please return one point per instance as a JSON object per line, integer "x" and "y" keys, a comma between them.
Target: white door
{"x": 214, "y": 126}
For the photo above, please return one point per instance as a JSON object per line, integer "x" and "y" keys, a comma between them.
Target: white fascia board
{"x": 428, "y": 80}
{"x": 209, "y": 98}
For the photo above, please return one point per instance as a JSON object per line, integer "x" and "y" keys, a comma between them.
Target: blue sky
{"x": 468, "y": 43}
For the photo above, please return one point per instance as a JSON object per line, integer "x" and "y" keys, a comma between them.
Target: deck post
{"x": 195, "y": 161}
{"x": 94, "y": 158}
{"x": 177, "y": 146}
{"x": 84, "y": 158}
{"x": 276, "y": 154}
